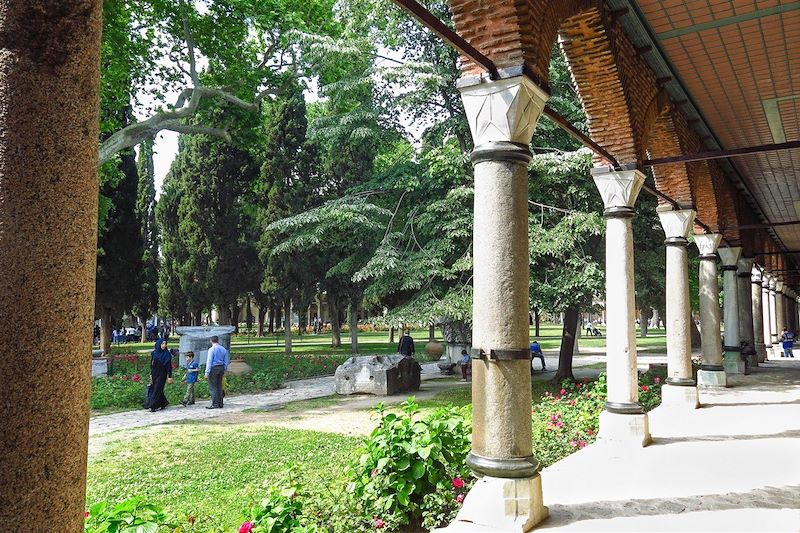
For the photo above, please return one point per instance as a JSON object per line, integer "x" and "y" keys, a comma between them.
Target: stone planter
{"x": 434, "y": 350}
{"x": 238, "y": 367}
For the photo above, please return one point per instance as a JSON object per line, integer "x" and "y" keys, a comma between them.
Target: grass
{"x": 215, "y": 472}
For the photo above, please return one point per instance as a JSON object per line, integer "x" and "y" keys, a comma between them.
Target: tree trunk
{"x": 248, "y": 314}
{"x": 567, "y": 345}
{"x": 644, "y": 316}
{"x": 431, "y": 333}
{"x": 198, "y": 317}
{"x": 353, "y": 327}
{"x": 694, "y": 332}
{"x": 336, "y": 324}
{"x": 143, "y": 320}
{"x": 536, "y": 322}
{"x": 391, "y": 334}
{"x": 105, "y": 330}
{"x": 236, "y": 310}
{"x": 272, "y": 312}
{"x": 262, "y": 311}
{"x": 287, "y": 325}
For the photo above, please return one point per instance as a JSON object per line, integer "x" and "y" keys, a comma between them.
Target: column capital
{"x": 619, "y": 189}
{"x": 745, "y": 266}
{"x": 778, "y": 286}
{"x": 676, "y": 224}
{"x": 755, "y": 275}
{"x": 730, "y": 255}
{"x": 707, "y": 244}
{"x": 506, "y": 110}
{"x": 773, "y": 283}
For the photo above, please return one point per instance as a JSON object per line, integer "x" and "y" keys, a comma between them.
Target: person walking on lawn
{"x": 192, "y": 370}
{"x": 217, "y": 363}
{"x": 406, "y": 345}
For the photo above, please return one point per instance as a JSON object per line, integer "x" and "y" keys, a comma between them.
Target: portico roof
{"x": 734, "y": 69}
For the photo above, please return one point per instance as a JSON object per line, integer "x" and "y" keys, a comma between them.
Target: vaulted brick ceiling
{"x": 739, "y": 62}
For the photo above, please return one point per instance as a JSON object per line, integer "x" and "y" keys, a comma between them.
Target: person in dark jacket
{"x": 406, "y": 345}
{"x": 160, "y": 375}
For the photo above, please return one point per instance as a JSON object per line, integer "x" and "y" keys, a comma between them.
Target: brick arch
{"x": 727, "y": 207}
{"x": 661, "y": 139}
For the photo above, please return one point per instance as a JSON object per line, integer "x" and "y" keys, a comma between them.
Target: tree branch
{"x": 180, "y": 127}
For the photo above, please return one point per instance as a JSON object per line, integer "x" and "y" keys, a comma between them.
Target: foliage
{"x": 281, "y": 510}
{"x": 147, "y": 300}
{"x": 407, "y": 461}
{"x": 129, "y": 516}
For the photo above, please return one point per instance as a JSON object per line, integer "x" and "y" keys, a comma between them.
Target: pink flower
{"x": 460, "y": 498}
{"x": 557, "y": 398}
{"x": 560, "y": 424}
{"x": 562, "y": 392}
{"x": 645, "y": 388}
{"x": 377, "y": 522}
{"x": 458, "y": 483}
{"x": 85, "y": 515}
{"x": 582, "y": 444}
{"x": 589, "y": 431}
{"x": 136, "y": 377}
{"x": 546, "y": 393}
{"x": 657, "y": 380}
{"x": 573, "y": 443}
{"x": 246, "y": 527}
{"x": 373, "y": 472}
{"x": 572, "y": 402}
{"x": 578, "y": 385}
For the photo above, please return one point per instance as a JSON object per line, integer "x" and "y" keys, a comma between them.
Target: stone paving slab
{"x": 733, "y": 465}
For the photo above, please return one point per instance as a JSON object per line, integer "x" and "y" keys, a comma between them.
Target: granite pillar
{"x": 780, "y": 320}
{"x": 712, "y": 373}
{"x": 680, "y": 391}
{"x": 502, "y": 116}
{"x": 730, "y": 288}
{"x": 49, "y": 101}
{"x": 767, "y": 317}
{"x": 773, "y": 317}
{"x": 746, "y": 332}
{"x": 758, "y": 315}
{"x": 623, "y": 420}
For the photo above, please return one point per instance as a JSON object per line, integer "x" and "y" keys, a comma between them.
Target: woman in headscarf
{"x": 160, "y": 374}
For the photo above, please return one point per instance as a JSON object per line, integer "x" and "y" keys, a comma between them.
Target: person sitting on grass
{"x": 192, "y": 370}
{"x": 536, "y": 352}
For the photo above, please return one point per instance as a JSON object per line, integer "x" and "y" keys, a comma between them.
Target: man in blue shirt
{"x": 192, "y": 369}
{"x": 787, "y": 343}
{"x": 216, "y": 364}
{"x": 536, "y": 352}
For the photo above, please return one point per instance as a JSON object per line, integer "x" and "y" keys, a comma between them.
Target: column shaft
{"x": 49, "y": 90}
{"x": 746, "y": 332}
{"x": 758, "y": 316}
{"x": 780, "y": 321}
{"x": 709, "y": 314}
{"x": 679, "y": 315}
{"x": 501, "y": 409}
{"x": 733, "y": 352}
{"x": 773, "y": 314}
{"x": 766, "y": 320}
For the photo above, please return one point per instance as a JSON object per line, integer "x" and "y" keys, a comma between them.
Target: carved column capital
{"x": 730, "y": 255}
{"x": 707, "y": 244}
{"x": 506, "y": 110}
{"x": 619, "y": 189}
{"x": 676, "y": 224}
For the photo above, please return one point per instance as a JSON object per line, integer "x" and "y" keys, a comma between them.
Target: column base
{"x": 677, "y": 397}
{"x": 712, "y": 378}
{"x": 761, "y": 353}
{"x": 501, "y": 504}
{"x": 630, "y": 429}
{"x": 733, "y": 363}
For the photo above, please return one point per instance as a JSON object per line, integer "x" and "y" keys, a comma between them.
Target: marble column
{"x": 780, "y": 320}
{"x": 767, "y": 317}
{"x": 680, "y": 390}
{"x": 623, "y": 420}
{"x": 730, "y": 308}
{"x": 758, "y": 315}
{"x": 773, "y": 317}
{"x": 746, "y": 332}
{"x": 712, "y": 373}
{"x": 502, "y": 116}
{"x": 49, "y": 117}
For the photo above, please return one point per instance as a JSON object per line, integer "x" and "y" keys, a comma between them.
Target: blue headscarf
{"x": 162, "y": 356}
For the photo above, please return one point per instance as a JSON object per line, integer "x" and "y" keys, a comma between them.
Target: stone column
{"x": 758, "y": 316}
{"x": 623, "y": 419}
{"x": 712, "y": 373}
{"x": 502, "y": 116}
{"x": 733, "y": 351}
{"x": 49, "y": 101}
{"x": 767, "y": 318}
{"x": 746, "y": 332}
{"x": 780, "y": 320}
{"x": 773, "y": 317}
{"x": 680, "y": 390}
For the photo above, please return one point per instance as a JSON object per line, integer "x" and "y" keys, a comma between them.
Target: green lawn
{"x": 215, "y": 472}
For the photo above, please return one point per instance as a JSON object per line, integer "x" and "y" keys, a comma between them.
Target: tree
{"x": 147, "y": 300}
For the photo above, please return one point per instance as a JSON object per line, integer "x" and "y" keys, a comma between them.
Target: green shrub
{"x": 412, "y": 471}
{"x": 130, "y": 516}
{"x": 280, "y": 511}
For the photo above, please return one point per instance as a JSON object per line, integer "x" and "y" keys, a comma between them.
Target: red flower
{"x": 246, "y": 527}
{"x": 578, "y": 385}
{"x": 657, "y": 380}
{"x": 458, "y": 483}
{"x": 582, "y": 444}
{"x": 557, "y": 398}
{"x": 136, "y": 377}
{"x": 460, "y": 498}
{"x": 374, "y": 472}
{"x": 174, "y": 365}
{"x": 563, "y": 392}
{"x": 589, "y": 431}
{"x": 85, "y": 515}
{"x": 377, "y": 522}
{"x": 645, "y": 388}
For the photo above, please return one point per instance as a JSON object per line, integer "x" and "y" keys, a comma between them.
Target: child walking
{"x": 192, "y": 368}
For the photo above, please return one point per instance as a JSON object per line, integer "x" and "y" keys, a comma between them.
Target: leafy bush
{"x": 130, "y": 516}
{"x": 412, "y": 471}
{"x": 281, "y": 510}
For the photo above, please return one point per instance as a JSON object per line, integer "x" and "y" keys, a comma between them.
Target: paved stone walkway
{"x": 733, "y": 465}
